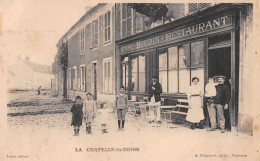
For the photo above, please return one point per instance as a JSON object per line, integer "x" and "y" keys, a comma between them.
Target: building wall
{"x": 92, "y": 54}
{"x": 245, "y": 108}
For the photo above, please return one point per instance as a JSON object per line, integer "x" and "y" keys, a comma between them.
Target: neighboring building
{"x": 26, "y": 75}
{"x": 204, "y": 41}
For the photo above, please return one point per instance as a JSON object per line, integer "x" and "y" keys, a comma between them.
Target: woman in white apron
{"x": 195, "y": 98}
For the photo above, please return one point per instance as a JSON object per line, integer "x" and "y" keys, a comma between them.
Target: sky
{"x": 32, "y": 28}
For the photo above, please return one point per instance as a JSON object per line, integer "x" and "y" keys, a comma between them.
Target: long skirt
{"x": 195, "y": 112}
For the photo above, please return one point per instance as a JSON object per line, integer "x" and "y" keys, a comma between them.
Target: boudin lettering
{"x": 210, "y": 25}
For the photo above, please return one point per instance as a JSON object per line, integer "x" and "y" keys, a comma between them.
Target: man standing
{"x": 220, "y": 103}
{"x": 154, "y": 98}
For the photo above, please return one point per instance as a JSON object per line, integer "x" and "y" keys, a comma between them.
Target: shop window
{"x": 124, "y": 64}
{"x": 138, "y": 73}
{"x": 126, "y": 20}
{"x": 177, "y": 65}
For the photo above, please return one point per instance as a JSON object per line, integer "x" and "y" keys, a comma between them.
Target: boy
{"x": 121, "y": 104}
{"x": 89, "y": 111}
{"x": 76, "y": 110}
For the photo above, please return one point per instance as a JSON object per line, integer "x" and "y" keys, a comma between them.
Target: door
{"x": 219, "y": 63}
{"x": 95, "y": 81}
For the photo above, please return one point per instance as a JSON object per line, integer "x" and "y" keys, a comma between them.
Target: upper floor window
{"x": 139, "y": 22}
{"x": 82, "y": 40}
{"x": 107, "y": 26}
{"x": 193, "y": 7}
{"x": 126, "y": 20}
{"x": 95, "y": 33}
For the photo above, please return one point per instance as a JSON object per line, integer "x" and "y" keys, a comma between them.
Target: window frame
{"x": 95, "y": 46}
{"x": 138, "y": 72}
{"x": 121, "y": 17}
{"x": 82, "y": 40}
{"x": 105, "y": 27}
{"x": 110, "y": 88}
{"x": 178, "y": 45}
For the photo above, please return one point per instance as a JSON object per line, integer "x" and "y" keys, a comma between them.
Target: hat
{"x": 155, "y": 77}
{"x": 219, "y": 76}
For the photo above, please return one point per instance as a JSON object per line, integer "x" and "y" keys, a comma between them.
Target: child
{"x": 210, "y": 91}
{"x": 103, "y": 115}
{"x": 121, "y": 104}
{"x": 76, "y": 110}
{"x": 89, "y": 111}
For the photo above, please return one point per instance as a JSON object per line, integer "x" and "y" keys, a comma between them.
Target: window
{"x": 178, "y": 64}
{"x": 82, "y": 40}
{"x": 126, "y": 20}
{"x": 69, "y": 79}
{"x": 107, "y": 27}
{"x": 82, "y": 78}
{"x": 138, "y": 73}
{"x": 124, "y": 63}
{"x": 139, "y": 22}
{"x": 74, "y": 78}
{"x": 95, "y": 33}
{"x": 78, "y": 79}
{"x": 193, "y": 7}
{"x": 107, "y": 83}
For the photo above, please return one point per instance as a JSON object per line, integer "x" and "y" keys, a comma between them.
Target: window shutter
{"x": 193, "y": 7}
{"x": 203, "y": 5}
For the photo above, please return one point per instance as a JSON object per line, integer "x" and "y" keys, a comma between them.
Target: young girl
{"x": 103, "y": 117}
{"x": 76, "y": 110}
{"x": 89, "y": 111}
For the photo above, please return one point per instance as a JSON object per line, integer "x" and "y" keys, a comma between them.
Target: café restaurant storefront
{"x": 203, "y": 44}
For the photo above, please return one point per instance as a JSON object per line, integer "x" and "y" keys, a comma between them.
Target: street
{"x": 41, "y": 131}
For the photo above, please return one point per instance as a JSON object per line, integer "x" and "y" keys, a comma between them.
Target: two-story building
{"x": 203, "y": 40}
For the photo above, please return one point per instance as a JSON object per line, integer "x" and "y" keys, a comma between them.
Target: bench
{"x": 181, "y": 108}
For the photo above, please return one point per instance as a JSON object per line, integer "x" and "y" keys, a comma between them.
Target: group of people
{"x": 217, "y": 97}
{"x": 87, "y": 111}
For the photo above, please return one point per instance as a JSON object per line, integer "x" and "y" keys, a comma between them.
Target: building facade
{"x": 112, "y": 45}
{"x": 206, "y": 40}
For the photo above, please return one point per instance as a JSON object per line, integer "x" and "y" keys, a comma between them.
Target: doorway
{"x": 219, "y": 63}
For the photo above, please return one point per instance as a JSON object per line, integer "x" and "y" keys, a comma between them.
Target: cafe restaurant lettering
{"x": 213, "y": 24}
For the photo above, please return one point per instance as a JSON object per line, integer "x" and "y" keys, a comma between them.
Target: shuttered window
{"x": 194, "y": 7}
{"x": 82, "y": 40}
{"x": 95, "y": 33}
{"x": 126, "y": 21}
{"x": 107, "y": 82}
{"x": 107, "y": 26}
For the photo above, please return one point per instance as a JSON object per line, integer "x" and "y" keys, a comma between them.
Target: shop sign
{"x": 210, "y": 25}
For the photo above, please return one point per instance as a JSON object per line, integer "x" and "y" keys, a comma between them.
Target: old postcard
{"x": 129, "y": 80}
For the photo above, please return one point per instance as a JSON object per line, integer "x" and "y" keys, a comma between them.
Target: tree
{"x": 63, "y": 63}
{"x": 154, "y": 11}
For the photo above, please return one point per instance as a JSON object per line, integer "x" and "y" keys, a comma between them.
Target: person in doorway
{"x": 210, "y": 91}
{"x": 39, "y": 90}
{"x": 154, "y": 98}
{"x": 121, "y": 104}
{"x": 76, "y": 111}
{"x": 89, "y": 111}
{"x": 195, "y": 98}
{"x": 216, "y": 109}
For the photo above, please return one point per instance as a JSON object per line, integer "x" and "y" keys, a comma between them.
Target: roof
{"x": 39, "y": 68}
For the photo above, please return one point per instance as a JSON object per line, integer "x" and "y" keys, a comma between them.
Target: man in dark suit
{"x": 154, "y": 98}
